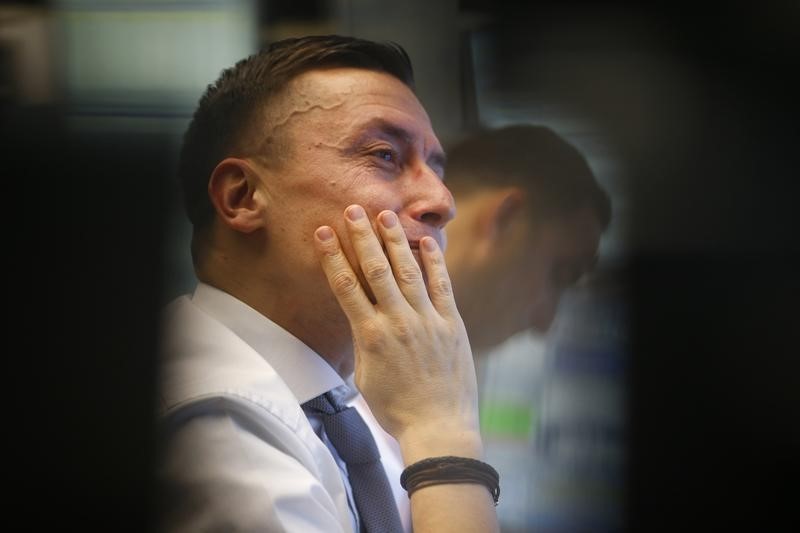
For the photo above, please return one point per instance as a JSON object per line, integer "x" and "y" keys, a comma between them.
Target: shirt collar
{"x": 305, "y": 373}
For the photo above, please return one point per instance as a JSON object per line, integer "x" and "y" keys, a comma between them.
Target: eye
{"x": 386, "y": 155}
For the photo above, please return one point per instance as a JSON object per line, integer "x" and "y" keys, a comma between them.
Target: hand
{"x": 413, "y": 362}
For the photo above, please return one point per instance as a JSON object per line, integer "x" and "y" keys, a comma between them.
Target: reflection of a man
{"x": 530, "y": 216}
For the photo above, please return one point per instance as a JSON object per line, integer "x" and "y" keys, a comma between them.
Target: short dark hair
{"x": 555, "y": 174}
{"x": 228, "y": 107}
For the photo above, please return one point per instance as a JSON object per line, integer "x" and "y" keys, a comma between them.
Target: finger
{"x": 439, "y": 287}
{"x": 406, "y": 270}
{"x": 341, "y": 278}
{"x": 372, "y": 260}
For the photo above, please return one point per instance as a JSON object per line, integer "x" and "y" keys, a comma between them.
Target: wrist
{"x": 419, "y": 443}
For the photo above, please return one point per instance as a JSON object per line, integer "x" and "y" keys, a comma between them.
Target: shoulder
{"x": 234, "y": 436}
{"x": 206, "y": 367}
{"x": 230, "y": 421}
{"x": 229, "y": 464}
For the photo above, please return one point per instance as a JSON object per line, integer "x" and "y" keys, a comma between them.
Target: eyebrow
{"x": 390, "y": 129}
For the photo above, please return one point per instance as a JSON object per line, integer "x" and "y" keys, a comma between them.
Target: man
{"x": 530, "y": 217}
{"x": 294, "y": 296}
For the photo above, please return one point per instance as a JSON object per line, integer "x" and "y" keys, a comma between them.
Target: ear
{"x": 501, "y": 209}
{"x": 233, "y": 189}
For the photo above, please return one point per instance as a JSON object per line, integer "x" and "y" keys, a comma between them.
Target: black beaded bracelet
{"x": 450, "y": 469}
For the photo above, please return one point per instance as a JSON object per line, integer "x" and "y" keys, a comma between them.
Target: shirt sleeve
{"x": 225, "y": 471}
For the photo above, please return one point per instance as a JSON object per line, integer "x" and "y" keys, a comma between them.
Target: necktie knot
{"x": 346, "y": 430}
{"x": 324, "y": 404}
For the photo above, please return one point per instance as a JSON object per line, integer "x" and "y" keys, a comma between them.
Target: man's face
{"x": 561, "y": 252}
{"x": 352, "y": 137}
{"x": 523, "y": 285}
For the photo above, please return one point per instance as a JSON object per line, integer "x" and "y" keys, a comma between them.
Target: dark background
{"x": 712, "y": 271}
{"x": 713, "y": 265}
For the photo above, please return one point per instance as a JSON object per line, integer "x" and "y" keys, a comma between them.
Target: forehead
{"x": 340, "y": 101}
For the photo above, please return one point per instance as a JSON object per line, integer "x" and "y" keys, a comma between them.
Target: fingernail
{"x": 388, "y": 219}
{"x": 324, "y": 233}
{"x": 355, "y": 212}
{"x": 429, "y": 244}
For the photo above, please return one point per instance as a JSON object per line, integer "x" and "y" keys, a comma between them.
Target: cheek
{"x": 375, "y": 195}
{"x": 339, "y": 186}
{"x": 537, "y": 285}
{"x": 316, "y": 202}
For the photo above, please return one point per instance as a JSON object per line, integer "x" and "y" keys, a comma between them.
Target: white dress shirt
{"x": 240, "y": 454}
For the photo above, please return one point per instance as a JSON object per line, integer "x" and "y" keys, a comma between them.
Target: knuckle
{"x": 396, "y": 237}
{"x": 442, "y": 287}
{"x": 344, "y": 282}
{"x": 375, "y": 269}
{"x": 330, "y": 250}
{"x": 370, "y": 337}
{"x": 436, "y": 259}
{"x": 403, "y": 332}
{"x": 363, "y": 231}
{"x": 409, "y": 274}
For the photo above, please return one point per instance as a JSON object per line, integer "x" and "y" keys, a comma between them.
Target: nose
{"x": 432, "y": 203}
